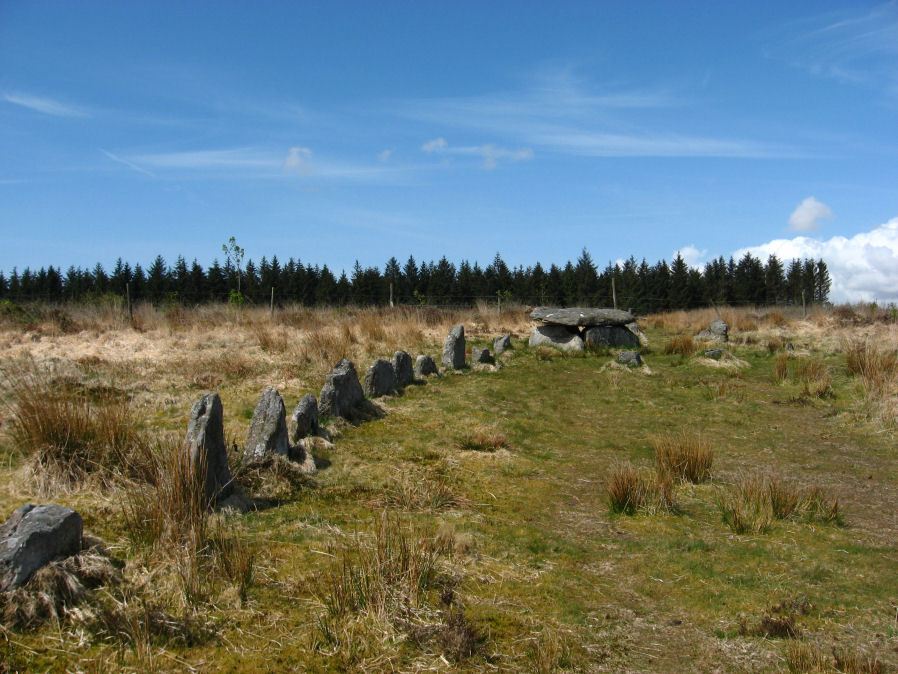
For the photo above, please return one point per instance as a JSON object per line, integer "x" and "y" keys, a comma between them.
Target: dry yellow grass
{"x": 684, "y": 456}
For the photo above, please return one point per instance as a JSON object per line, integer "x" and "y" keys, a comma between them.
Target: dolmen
{"x": 575, "y": 328}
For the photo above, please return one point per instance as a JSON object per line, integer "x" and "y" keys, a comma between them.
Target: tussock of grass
{"x": 781, "y": 367}
{"x": 755, "y": 502}
{"x": 273, "y": 477}
{"x": 816, "y": 378}
{"x": 482, "y": 440}
{"x": 422, "y": 494}
{"x": 682, "y": 345}
{"x": 271, "y": 339}
{"x": 684, "y": 456}
{"x": 805, "y": 658}
{"x": 851, "y": 661}
{"x": 631, "y": 491}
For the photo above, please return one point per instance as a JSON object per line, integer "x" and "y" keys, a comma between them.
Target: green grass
{"x": 548, "y": 574}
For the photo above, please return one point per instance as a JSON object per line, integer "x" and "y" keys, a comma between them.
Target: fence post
{"x": 391, "y": 294}
{"x": 613, "y": 293}
{"x": 272, "y": 302}
{"x": 499, "y": 303}
{"x": 128, "y": 300}
{"x": 804, "y": 308}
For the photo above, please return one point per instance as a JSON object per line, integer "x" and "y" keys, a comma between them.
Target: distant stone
{"x": 482, "y": 356}
{"x": 33, "y": 537}
{"x": 454, "y": 348}
{"x": 714, "y": 354}
{"x": 717, "y": 331}
{"x": 640, "y": 335}
{"x": 610, "y": 335}
{"x": 581, "y": 316}
{"x": 206, "y": 447}
{"x": 305, "y": 418}
{"x": 268, "y": 428}
{"x": 558, "y": 336}
{"x": 425, "y": 366}
{"x": 629, "y": 358}
{"x": 341, "y": 393}
{"x": 501, "y": 344}
{"x": 380, "y": 379}
{"x": 402, "y": 369}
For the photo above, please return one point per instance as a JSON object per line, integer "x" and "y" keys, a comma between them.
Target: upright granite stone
{"x": 501, "y": 344}
{"x": 610, "y": 335}
{"x": 341, "y": 393}
{"x": 581, "y": 316}
{"x": 481, "y": 356}
{"x": 33, "y": 537}
{"x": 402, "y": 369}
{"x": 305, "y": 418}
{"x": 557, "y": 336}
{"x": 380, "y": 379}
{"x": 268, "y": 428}
{"x": 206, "y": 447}
{"x": 425, "y": 366}
{"x": 454, "y": 348}
{"x": 718, "y": 331}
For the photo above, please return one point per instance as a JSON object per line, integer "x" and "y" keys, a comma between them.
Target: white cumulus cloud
{"x": 693, "y": 256}
{"x": 863, "y": 267}
{"x": 807, "y": 215}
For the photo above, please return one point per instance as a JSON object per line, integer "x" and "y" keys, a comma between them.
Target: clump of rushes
{"x": 483, "y": 440}
{"x": 781, "y": 367}
{"x": 684, "y": 456}
{"x": 631, "y": 491}
{"x": 682, "y": 345}
{"x": 752, "y": 504}
{"x": 815, "y": 377}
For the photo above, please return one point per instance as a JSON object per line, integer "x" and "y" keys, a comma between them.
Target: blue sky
{"x": 338, "y": 131}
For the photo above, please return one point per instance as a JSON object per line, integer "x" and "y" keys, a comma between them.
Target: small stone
{"x": 425, "y": 366}
{"x": 454, "y": 348}
{"x": 402, "y": 369}
{"x": 718, "y": 331}
{"x": 629, "y": 358}
{"x": 481, "y": 356}
{"x": 305, "y": 418}
{"x": 341, "y": 393}
{"x": 268, "y": 428}
{"x": 206, "y": 446}
{"x": 501, "y": 344}
{"x": 33, "y": 537}
{"x": 380, "y": 379}
{"x": 558, "y": 336}
{"x": 714, "y": 354}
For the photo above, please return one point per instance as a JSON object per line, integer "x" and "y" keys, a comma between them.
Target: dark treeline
{"x": 638, "y": 285}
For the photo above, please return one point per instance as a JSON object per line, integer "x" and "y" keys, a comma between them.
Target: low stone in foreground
{"x": 557, "y": 336}
{"x": 629, "y": 358}
{"x": 380, "y": 379}
{"x": 342, "y": 393}
{"x": 33, "y": 537}
{"x": 581, "y": 316}
{"x": 425, "y": 366}
{"x": 305, "y": 418}
{"x": 402, "y": 369}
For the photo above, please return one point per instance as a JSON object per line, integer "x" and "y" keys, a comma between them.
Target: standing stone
{"x": 558, "y": 336}
{"x": 33, "y": 537}
{"x": 206, "y": 447}
{"x": 454, "y": 348}
{"x": 402, "y": 369}
{"x": 718, "y": 331}
{"x": 611, "y": 335}
{"x": 424, "y": 366}
{"x": 268, "y": 428}
{"x": 342, "y": 392}
{"x": 380, "y": 379}
{"x": 629, "y": 358}
{"x": 305, "y": 418}
{"x": 501, "y": 344}
{"x": 481, "y": 356}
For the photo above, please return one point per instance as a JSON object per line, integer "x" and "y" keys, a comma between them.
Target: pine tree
{"x": 822, "y": 282}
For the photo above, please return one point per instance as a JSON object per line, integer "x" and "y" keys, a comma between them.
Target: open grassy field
{"x": 472, "y": 526}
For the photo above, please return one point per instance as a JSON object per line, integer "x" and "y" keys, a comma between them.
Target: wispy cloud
{"x": 854, "y": 46}
{"x": 131, "y": 165}
{"x": 490, "y": 154}
{"x": 44, "y": 105}
{"x": 560, "y": 113}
